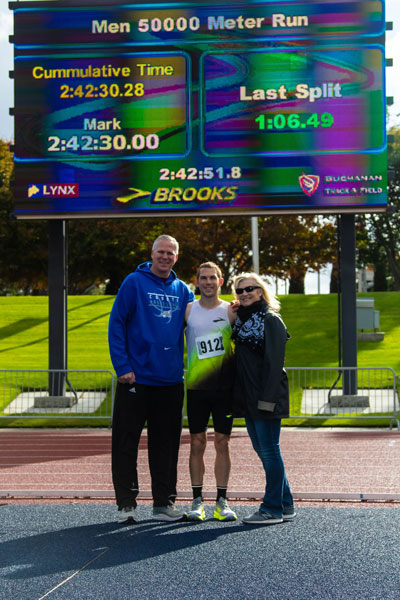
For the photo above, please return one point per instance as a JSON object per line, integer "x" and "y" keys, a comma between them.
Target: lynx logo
{"x": 309, "y": 183}
{"x": 54, "y": 190}
{"x": 33, "y": 191}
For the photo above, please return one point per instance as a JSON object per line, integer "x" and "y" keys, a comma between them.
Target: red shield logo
{"x": 309, "y": 183}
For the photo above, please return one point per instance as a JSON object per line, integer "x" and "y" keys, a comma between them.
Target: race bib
{"x": 210, "y": 345}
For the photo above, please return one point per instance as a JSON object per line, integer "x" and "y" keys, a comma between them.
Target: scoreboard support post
{"x": 58, "y": 297}
{"x": 348, "y": 304}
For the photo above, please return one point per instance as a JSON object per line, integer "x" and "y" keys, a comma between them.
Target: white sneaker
{"x": 127, "y": 515}
{"x": 167, "y": 513}
{"x": 222, "y": 511}
{"x": 197, "y": 512}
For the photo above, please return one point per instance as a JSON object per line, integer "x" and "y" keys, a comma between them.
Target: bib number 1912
{"x": 210, "y": 345}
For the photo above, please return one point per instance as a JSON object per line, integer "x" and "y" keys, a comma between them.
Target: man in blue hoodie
{"x": 146, "y": 340}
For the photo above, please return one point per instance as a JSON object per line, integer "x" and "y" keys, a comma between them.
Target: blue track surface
{"x": 335, "y": 553}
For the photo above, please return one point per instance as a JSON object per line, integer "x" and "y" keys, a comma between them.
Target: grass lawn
{"x": 311, "y": 320}
{"x": 24, "y": 332}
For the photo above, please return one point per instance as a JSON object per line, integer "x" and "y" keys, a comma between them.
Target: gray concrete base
{"x": 370, "y": 336}
{"x": 315, "y": 402}
{"x": 28, "y": 403}
{"x": 349, "y": 400}
{"x": 54, "y": 401}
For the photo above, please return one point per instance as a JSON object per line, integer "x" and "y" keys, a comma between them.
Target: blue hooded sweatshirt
{"x": 146, "y": 325}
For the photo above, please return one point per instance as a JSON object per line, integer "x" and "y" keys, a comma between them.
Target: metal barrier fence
{"x": 322, "y": 393}
{"x": 343, "y": 393}
{"x": 56, "y": 394}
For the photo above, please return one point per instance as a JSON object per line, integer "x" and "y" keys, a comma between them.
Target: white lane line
{"x": 73, "y": 574}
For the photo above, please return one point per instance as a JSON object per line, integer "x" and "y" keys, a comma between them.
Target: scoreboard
{"x": 188, "y": 108}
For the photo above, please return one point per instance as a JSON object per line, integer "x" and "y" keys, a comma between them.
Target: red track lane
{"x": 317, "y": 462}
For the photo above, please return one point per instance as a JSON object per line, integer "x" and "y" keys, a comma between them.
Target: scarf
{"x": 248, "y": 328}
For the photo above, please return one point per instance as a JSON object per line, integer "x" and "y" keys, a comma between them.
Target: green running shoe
{"x": 222, "y": 512}
{"x": 197, "y": 512}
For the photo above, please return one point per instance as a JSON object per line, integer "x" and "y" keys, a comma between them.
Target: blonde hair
{"x": 268, "y": 296}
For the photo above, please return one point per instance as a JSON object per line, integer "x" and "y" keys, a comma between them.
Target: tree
{"x": 23, "y": 246}
{"x": 378, "y": 240}
{"x": 226, "y": 241}
{"x": 108, "y": 250}
{"x": 291, "y": 245}
{"x": 105, "y": 251}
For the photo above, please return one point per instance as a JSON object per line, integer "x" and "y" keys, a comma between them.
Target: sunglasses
{"x": 247, "y": 289}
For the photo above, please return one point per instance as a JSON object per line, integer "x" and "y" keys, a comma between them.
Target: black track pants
{"x": 161, "y": 407}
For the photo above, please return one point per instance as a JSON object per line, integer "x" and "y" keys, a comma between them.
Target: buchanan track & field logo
{"x": 309, "y": 183}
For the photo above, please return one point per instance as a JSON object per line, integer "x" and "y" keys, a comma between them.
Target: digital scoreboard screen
{"x": 128, "y": 109}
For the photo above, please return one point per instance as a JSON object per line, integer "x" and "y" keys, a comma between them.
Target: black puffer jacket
{"x": 261, "y": 389}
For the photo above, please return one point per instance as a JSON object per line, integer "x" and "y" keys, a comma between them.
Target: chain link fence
{"x": 316, "y": 393}
{"x": 56, "y": 394}
{"x": 344, "y": 393}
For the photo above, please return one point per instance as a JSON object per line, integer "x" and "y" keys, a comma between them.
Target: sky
{"x": 392, "y": 89}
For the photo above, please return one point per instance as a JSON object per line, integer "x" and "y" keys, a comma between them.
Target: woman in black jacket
{"x": 261, "y": 389}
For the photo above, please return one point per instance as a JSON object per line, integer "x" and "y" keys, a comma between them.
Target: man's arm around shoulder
{"x": 187, "y": 312}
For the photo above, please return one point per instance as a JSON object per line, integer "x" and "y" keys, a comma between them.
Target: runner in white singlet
{"x": 209, "y": 381}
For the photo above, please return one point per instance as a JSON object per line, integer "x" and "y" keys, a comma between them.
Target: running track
{"x": 322, "y": 465}
{"x": 63, "y": 547}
